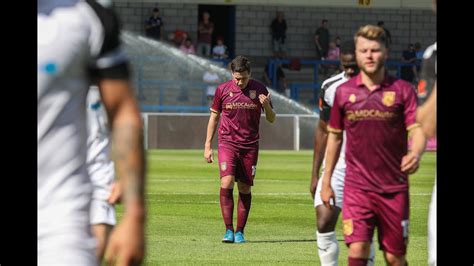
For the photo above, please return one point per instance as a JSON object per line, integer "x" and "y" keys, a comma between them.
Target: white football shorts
{"x": 102, "y": 213}
{"x": 337, "y": 184}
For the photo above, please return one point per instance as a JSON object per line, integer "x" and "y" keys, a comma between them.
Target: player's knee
{"x": 325, "y": 225}
{"x": 244, "y": 188}
{"x": 227, "y": 182}
{"x": 326, "y": 219}
{"x": 394, "y": 260}
{"x": 359, "y": 250}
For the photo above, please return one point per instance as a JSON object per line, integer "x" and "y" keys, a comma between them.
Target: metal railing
{"x": 295, "y": 87}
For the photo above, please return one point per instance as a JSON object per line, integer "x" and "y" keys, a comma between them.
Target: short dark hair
{"x": 156, "y": 9}
{"x": 348, "y": 47}
{"x": 324, "y": 20}
{"x": 380, "y": 23}
{"x": 240, "y": 64}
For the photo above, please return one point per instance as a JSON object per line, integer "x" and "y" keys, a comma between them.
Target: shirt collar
{"x": 385, "y": 83}
{"x": 234, "y": 86}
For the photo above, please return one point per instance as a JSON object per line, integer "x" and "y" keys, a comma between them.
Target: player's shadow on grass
{"x": 287, "y": 241}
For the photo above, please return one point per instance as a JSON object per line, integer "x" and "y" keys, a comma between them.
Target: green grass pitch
{"x": 184, "y": 223}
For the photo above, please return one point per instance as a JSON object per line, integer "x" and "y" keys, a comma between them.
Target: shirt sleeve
{"x": 336, "y": 120}
{"x": 427, "y": 76}
{"x": 324, "y": 108}
{"x": 109, "y": 60}
{"x": 265, "y": 92}
{"x": 216, "y": 106}
{"x": 410, "y": 108}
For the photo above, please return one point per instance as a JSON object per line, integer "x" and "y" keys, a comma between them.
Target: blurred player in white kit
{"x": 100, "y": 168}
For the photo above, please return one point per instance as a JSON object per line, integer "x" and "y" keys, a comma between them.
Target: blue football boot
{"x": 228, "y": 237}
{"x": 239, "y": 237}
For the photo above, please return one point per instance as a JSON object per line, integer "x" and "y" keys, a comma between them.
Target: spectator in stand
{"x": 334, "y": 51}
{"x": 220, "y": 49}
{"x": 178, "y": 37}
{"x": 387, "y": 33}
{"x": 212, "y": 79}
{"x": 337, "y": 40}
{"x": 153, "y": 25}
{"x": 419, "y": 52}
{"x": 205, "y": 30}
{"x": 187, "y": 47}
{"x": 278, "y": 28}
{"x": 282, "y": 85}
{"x": 333, "y": 54}
{"x": 419, "y": 58}
{"x": 408, "y": 73}
{"x": 321, "y": 39}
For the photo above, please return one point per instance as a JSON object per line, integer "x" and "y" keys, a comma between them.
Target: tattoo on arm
{"x": 129, "y": 158}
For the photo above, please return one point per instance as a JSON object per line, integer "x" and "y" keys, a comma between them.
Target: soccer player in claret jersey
{"x": 377, "y": 112}
{"x": 240, "y": 102}
{"x": 326, "y": 219}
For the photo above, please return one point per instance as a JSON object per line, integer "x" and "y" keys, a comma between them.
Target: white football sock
{"x": 432, "y": 229}
{"x": 371, "y": 261}
{"x": 328, "y": 248}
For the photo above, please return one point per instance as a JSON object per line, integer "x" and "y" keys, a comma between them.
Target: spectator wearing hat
{"x": 153, "y": 25}
{"x": 177, "y": 37}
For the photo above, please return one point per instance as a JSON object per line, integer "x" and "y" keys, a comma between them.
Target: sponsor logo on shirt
{"x": 371, "y": 114}
{"x": 50, "y": 68}
{"x": 95, "y": 106}
{"x": 252, "y": 94}
{"x": 352, "y": 98}
{"x": 234, "y": 106}
{"x": 388, "y": 98}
